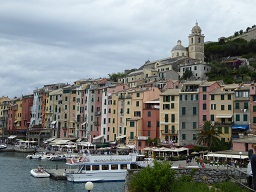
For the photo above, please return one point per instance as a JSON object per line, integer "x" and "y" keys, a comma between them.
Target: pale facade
{"x": 241, "y": 109}
{"x": 199, "y": 69}
{"x": 169, "y": 116}
{"x": 4, "y": 105}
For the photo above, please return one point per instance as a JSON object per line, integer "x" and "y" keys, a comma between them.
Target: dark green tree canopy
{"x": 115, "y": 76}
{"x": 208, "y": 136}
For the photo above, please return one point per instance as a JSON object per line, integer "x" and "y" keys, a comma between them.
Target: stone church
{"x": 174, "y": 66}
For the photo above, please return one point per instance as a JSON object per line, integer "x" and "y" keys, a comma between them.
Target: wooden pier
{"x": 57, "y": 174}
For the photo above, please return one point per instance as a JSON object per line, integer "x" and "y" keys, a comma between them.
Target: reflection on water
{"x": 15, "y": 176}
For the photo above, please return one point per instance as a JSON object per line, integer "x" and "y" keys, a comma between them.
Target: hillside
{"x": 216, "y": 52}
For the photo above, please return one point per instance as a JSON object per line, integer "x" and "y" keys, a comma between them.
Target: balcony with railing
{"x": 142, "y": 138}
{"x": 121, "y": 97}
{"x": 96, "y": 123}
{"x": 97, "y": 113}
{"x": 129, "y": 96}
{"x": 223, "y": 123}
{"x": 169, "y": 132}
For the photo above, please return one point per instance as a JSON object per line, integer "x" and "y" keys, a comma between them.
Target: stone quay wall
{"x": 206, "y": 175}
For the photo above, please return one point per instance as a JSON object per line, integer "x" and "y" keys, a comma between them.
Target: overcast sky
{"x": 61, "y": 41}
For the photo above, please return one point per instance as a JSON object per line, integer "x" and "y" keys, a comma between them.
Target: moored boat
{"x": 3, "y": 146}
{"x": 35, "y": 155}
{"x": 59, "y": 157}
{"x": 39, "y": 172}
{"x": 99, "y": 168}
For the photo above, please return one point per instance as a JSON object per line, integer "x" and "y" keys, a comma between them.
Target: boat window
{"x": 87, "y": 167}
{"x": 123, "y": 166}
{"x": 104, "y": 167}
{"x": 95, "y": 167}
{"x": 113, "y": 167}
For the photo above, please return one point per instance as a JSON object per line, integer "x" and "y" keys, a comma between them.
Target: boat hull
{"x": 3, "y": 146}
{"x": 97, "y": 176}
{"x": 35, "y": 173}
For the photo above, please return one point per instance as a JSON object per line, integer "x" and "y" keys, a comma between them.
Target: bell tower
{"x": 196, "y": 43}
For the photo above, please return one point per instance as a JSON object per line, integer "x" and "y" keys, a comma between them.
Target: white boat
{"x": 3, "y": 146}
{"x": 47, "y": 156}
{"x": 99, "y": 168}
{"x": 35, "y": 156}
{"x": 39, "y": 172}
{"x": 59, "y": 157}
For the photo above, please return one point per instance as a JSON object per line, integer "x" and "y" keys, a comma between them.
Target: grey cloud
{"x": 44, "y": 42}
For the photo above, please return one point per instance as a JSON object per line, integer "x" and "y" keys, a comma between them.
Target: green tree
{"x": 243, "y": 71}
{"x": 160, "y": 177}
{"x": 208, "y": 136}
{"x": 115, "y": 76}
{"x": 187, "y": 74}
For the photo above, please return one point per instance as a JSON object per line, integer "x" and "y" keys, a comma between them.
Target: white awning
{"x": 98, "y": 137}
{"x": 12, "y": 136}
{"x": 49, "y": 140}
{"x": 131, "y": 146}
{"x": 88, "y": 144}
{"x": 224, "y": 116}
{"x": 83, "y": 123}
{"x": 121, "y": 137}
{"x": 53, "y": 122}
{"x": 229, "y": 156}
{"x": 62, "y": 142}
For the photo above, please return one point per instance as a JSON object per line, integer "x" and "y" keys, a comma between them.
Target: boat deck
{"x": 57, "y": 174}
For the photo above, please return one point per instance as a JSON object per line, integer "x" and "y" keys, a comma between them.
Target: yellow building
{"x": 221, "y": 111}
{"x": 169, "y": 115}
{"x": 17, "y": 121}
{"x": 133, "y": 110}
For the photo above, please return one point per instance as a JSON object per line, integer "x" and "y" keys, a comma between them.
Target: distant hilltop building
{"x": 195, "y": 47}
{"x": 248, "y": 35}
{"x": 173, "y": 67}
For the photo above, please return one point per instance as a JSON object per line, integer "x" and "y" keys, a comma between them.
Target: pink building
{"x": 150, "y": 123}
{"x": 27, "y": 103}
{"x": 204, "y": 100}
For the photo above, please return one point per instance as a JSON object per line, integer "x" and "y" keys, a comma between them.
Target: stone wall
{"x": 206, "y": 175}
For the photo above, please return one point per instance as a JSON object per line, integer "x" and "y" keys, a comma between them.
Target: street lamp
{"x": 240, "y": 153}
{"x": 88, "y": 186}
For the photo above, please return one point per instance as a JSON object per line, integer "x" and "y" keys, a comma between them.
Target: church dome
{"x": 196, "y": 29}
{"x": 179, "y": 50}
{"x": 179, "y": 47}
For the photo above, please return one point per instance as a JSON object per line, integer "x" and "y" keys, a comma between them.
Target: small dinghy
{"x": 39, "y": 172}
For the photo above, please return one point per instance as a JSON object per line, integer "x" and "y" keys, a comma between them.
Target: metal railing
{"x": 240, "y": 176}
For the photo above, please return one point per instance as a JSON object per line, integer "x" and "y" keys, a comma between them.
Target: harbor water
{"x": 15, "y": 177}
